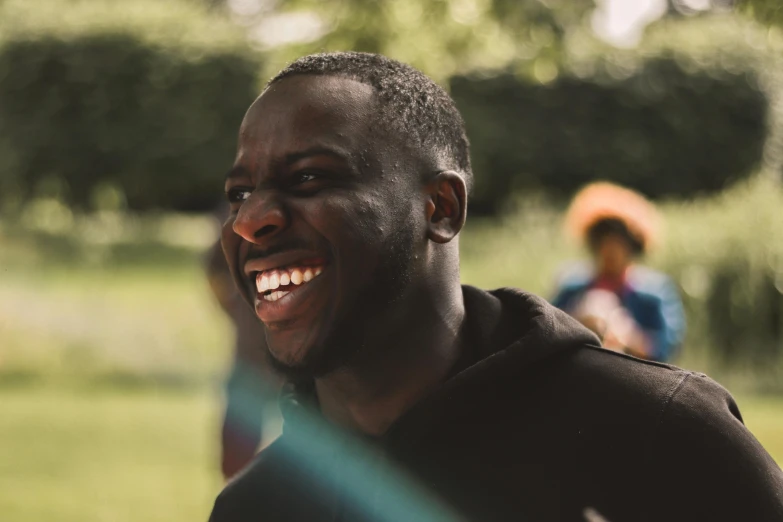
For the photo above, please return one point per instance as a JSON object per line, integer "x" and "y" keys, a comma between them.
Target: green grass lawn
{"x": 763, "y": 415}
{"x": 107, "y": 455}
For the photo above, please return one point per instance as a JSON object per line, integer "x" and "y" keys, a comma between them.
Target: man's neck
{"x": 406, "y": 361}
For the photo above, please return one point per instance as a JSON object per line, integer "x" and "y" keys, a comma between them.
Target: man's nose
{"x": 260, "y": 217}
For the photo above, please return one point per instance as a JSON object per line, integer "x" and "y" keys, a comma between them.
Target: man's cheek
{"x": 229, "y": 241}
{"x": 231, "y": 244}
{"x": 350, "y": 222}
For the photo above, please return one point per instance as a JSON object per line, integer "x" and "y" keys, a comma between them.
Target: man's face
{"x": 324, "y": 227}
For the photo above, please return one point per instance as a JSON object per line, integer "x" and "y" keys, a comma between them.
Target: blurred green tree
{"x": 768, "y": 12}
{"x": 446, "y": 37}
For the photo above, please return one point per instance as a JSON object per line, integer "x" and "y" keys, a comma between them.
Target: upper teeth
{"x": 273, "y": 279}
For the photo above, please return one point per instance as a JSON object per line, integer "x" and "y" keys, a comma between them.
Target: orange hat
{"x": 602, "y": 200}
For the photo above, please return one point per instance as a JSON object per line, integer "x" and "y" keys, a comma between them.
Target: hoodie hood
{"x": 506, "y": 331}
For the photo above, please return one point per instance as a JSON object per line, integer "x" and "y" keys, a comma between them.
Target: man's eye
{"x": 304, "y": 177}
{"x": 238, "y": 194}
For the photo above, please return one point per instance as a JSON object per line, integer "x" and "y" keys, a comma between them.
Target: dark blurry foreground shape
{"x": 633, "y": 309}
{"x": 745, "y": 313}
{"x": 251, "y": 388}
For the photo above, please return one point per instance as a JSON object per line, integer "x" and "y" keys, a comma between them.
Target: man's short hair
{"x": 413, "y": 106}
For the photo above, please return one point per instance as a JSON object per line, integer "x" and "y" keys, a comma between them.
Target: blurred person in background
{"x": 632, "y": 308}
{"x": 251, "y": 387}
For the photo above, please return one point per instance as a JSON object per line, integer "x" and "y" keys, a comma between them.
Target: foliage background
{"x": 118, "y": 119}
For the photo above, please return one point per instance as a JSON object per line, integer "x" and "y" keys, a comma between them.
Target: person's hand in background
{"x": 595, "y": 309}
{"x": 623, "y": 334}
{"x": 601, "y": 312}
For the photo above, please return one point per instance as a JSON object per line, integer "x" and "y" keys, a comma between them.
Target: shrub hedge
{"x": 664, "y": 130}
{"x": 121, "y": 108}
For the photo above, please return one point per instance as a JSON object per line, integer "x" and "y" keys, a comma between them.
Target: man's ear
{"x": 447, "y": 201}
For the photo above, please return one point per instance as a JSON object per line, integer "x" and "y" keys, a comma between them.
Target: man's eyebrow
{"x": 318, "y": 150}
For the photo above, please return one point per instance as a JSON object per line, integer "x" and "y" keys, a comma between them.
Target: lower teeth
{"x": 274, "y": 296}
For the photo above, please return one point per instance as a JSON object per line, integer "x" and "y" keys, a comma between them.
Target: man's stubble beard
{"x": 347, "y": 337}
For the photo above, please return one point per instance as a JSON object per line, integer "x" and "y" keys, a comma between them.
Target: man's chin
{"x": 296, "y": 360}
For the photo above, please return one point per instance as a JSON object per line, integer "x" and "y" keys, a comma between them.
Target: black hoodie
{"x": 538, "y": 423}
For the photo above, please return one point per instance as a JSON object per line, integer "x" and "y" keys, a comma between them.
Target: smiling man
{"x": 412, "y": 397}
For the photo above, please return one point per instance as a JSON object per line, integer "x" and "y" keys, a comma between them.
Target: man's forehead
{"x": 315, "y": 95}
{"x": 303, "y": 113}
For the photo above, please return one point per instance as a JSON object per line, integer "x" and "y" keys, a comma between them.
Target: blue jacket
{"x": 650, "y": 297}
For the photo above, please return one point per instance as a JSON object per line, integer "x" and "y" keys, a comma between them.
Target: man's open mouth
{"x": 283, "y": 284}
{"x": 276, "y": 283}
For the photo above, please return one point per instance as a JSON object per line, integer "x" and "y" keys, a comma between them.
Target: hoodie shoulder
{"x": 714, "y": 467}
{"x": 666, "y": 430}
{"x": 547, "y": 324}
{"x": 235, "y": 502}
{"x": 623, "y": 376}
{"x": 266, "y": 488}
